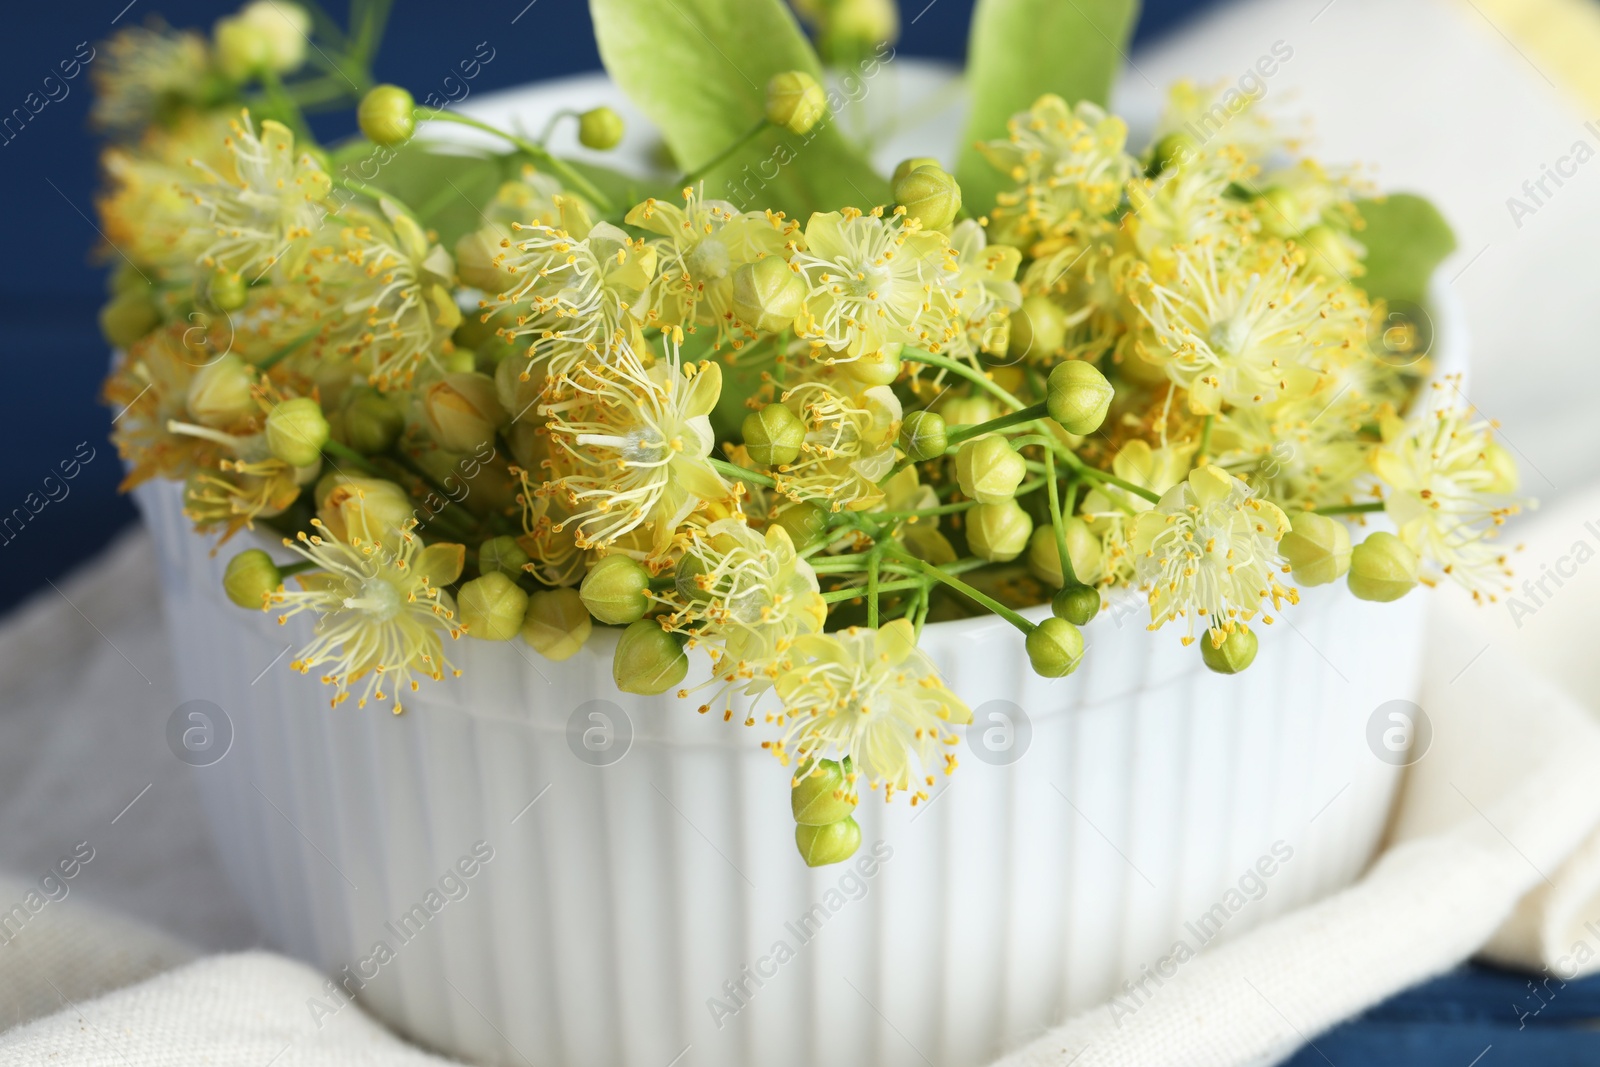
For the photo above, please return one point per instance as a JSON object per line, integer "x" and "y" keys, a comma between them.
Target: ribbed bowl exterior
{"x": 642, "y": 907}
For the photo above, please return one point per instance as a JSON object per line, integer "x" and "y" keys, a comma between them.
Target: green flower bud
{"x": 1038, "y": 329}
{"x": 296, "y": 431}
{"x": 240, "y": 48}
{"x": 1174, "y": 148}
{"x": 250, "y": 577}
{"x": 768, "y": 294}
{"x": 773, "y": 435}
{"x": 1055, "y": 648}
{"x": 923, "y": 436}
{"x": 906, "y": 166}
{"x": 649, "y": 660}
{"x": 462, "y": 412}
{"x": 998, "y": 532}
{"x": 226, "y": 290}
{"x": 876, "y": 368}
{"x": 686, "y": 579}
{"x": 1317, "y": 548}
{"x": 501, "y": 555}
{"x": 1382, "y": 568}
{"x": 1237, "y": 651}
{"x": 806, "y": 524}
{"x": 369, "y": 508}
{"x": 989, "y": 469}
{"x": 1083, "y": 549}
{"x": 129, "y": 316}
{"x": 219, "y": 393}
{"x": 388, "y": 115}
{"x": 614, "y": 590}
{"x": 795, "y": 101}
{"x": 492, "y": 607}
{"x": 930, "y": 196}
{"x": 372, "y": 422}
{"x": 1079, "y": 396}
{"x": 822, "y": 794}
{"x": 556, "y": 624}
{"x": 1077, "y": 603}
{"x": 284, "y": 29}
{"x": 833, "y": 843}
{"x": 599, "y": 128}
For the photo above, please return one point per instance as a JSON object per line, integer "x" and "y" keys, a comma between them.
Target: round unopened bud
{"x": 219, "y": 393}
{"x": 599, "y": 128}
{"x": 930, "y": 196}
{"x": 833, "y": 843}
{"x": 768, "y": 294}
{"x": 296, "y": 431}
{"x": 241, "y": 49}
{"x": 1077, "y": 603}
{"x": 372, "y": 422}
{"x": 822, "y": 794}
{"x": 1055, "y": 648}
{"x": 998, "y": 532}
{"x": 284, "y": 29}
{"x": 462, "y": 411}
{"x": 686, "y": 579}
{"x": 251, "y": 576}
{"x": 1083, "y": 550}
{"x": 806, "y": 524}
{"x": 1382, "y": 568}
{"x": 906, "y": 166}
{"x": 1317, "y": 548}
{"x": 226, "y": 290}
{"x": 923, "y": 436}
{"x": 492, "y": 607}
{"x": 129, "y": 316}
{"x": 1038, "y": 329}
{"x": 1079, "y": 396}
{"x": 388, "y": 115}
{"x": 795, "y": 101}
{"x": 556, "y": 624}
{"x": 615, "y": 590}
{"x": 989, "y": 469}
{"x": 501, "y": 555}
{"x": 1236, "y": 652}
{"x": 773, "y": 435}
{"x": 876, "y": 368}
{"x": 648, "y": 660}
{"x": 1175, "y": 149}
{"x": 371, "y": 509}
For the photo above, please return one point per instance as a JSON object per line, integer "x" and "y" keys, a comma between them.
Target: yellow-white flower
{"x": 849, "y": 445}
{"x": 270, "y": 200}
{"x": 984, "y": 291}
{"x": 874, "y": 281}
{"x": 1208, "y": 552}
{"x": 637, "y": 445}
{"x": 1449, "y": 488}
{"x": 874, "y": 696}
{"x": 142, "y": 69}
{"x": 381, "y": 611}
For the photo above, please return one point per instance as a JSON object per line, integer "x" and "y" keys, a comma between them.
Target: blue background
{"x": 51, "y": 289}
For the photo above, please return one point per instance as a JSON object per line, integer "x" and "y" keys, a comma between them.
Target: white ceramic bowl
{"x": 642, "y": 903}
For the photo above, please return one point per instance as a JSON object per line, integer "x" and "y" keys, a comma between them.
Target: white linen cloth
{"x": 1495, "y": 846}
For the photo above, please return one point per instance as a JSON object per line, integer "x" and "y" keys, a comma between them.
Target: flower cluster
{"x": 769, "y": 450}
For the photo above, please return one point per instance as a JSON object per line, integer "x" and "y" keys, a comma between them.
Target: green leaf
{"x": 698, "y": 69}
{"x": 1022, "y": 49}
{"x": 1406, "y": 239}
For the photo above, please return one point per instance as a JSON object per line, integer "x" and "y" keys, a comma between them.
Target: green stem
{"x": 962, "y": 370}
{"x": 282, "y": 353}
{"x": 299, "y": 565}
{"x": 1068, "y": 575}
{"x": 352, "y": 457}
{"x": 1098, "y": 475}
{"x": 568, "y": 174}
{"x": 951, "y": 509}
{"x": 961, "y": 587}
{"x": 1027, "y": 414}
{"x": 555, "y": 120}
{"x": 872, "y": 587}
{"x": 1350, "y": 509}
{"x": 1205, "y": 439}
{"x": 744, "y": 474}
{"x": 855, "y": 592}
{"x": 721, "y": 157}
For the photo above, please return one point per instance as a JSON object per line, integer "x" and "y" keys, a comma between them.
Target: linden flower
{"x": 751, "y": 592}
{"x": 1185, "y": 204}
{"x": 872, "y": 695}
{"x": 270, "y": 200}
{"x": 1111, "y": 511}
{"x": 1301, "y": 454}
{"x": 873, "y": 281}
{"x": 1215, "y": 118}
{"x": 381, "y": 610}
{"x": 1069, "y": 164}
{"x": 143, "y": 70}
{"x": 573, "y": 297}
{"x": 849, "y": 445}
{"x": 984, "y": 291}
{"x": 638, "y": 442}
{"x": 389, "y": 287}
{"x": 703, "y": 243}
{"x": 148, "y": 391}
{"x": 1235, "y": 332}
{"x": 1209, "y": 552}
{"x": 1449, "y": 487}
